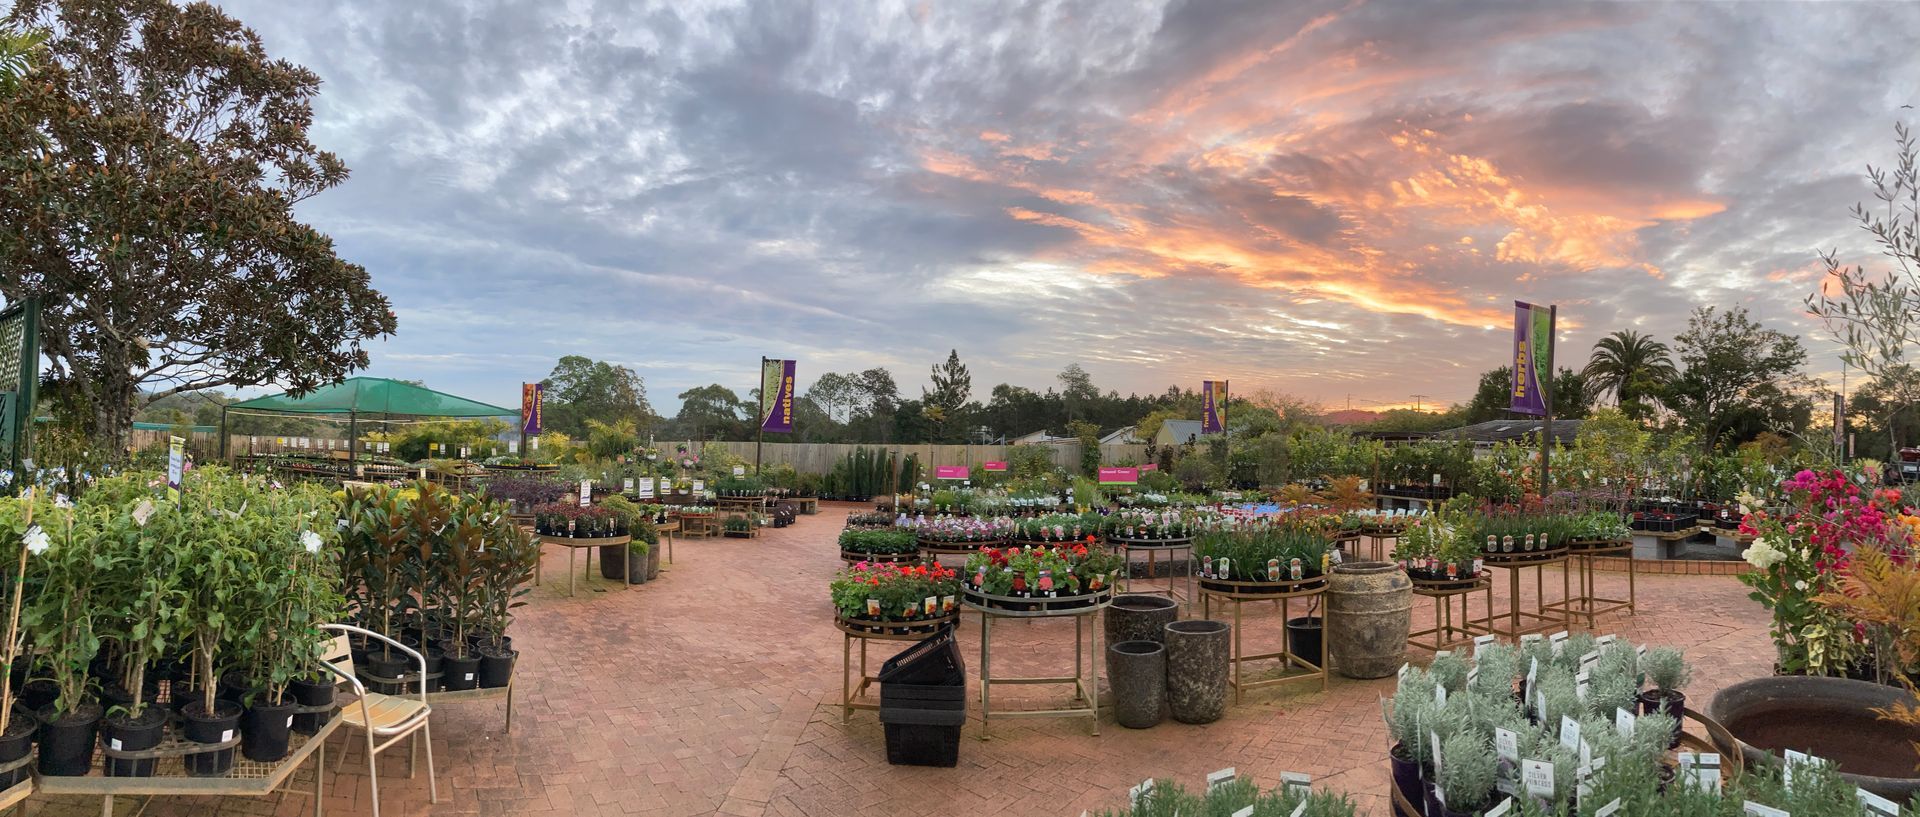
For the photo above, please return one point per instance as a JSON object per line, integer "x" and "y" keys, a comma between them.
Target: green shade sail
{"x": 375, "y": 395}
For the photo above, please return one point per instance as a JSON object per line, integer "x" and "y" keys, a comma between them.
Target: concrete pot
{"x": 1198, "y": 655}
{"x": 1140, "y": 617}
{"x": 1369, "y": 611}
{"x": 1830, "y": 718}
{"x": 1138, "y": 671}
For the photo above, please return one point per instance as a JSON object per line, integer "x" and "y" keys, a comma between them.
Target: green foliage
{"x": 1089, "y": 436}
{"x": 1666, "y": 668}
{"x": 1251, "y": 551}
{"x": 878, "y": 540}
{"x": 1467, "y": 770}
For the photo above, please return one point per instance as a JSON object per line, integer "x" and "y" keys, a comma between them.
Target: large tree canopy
{"x": 153, "y": 160}
{"x": 582, "y": 389}
{"x": 1739, "y": 378}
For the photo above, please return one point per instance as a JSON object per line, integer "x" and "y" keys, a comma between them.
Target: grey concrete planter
{"x": 1140, "y": 617}
{"x": 1138, "y": 670}
{"x": 1198, "y": 654}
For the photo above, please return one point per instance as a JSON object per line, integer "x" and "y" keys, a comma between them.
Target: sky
{"x": 1334, "y": 200}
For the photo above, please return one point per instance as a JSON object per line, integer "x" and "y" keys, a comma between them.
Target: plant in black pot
{"x": 507, "y": 570}
{"x": 142, "y": 546}
{"x": 16, "y": 733}
{"x": 295, "y": 592}
{"x": 1412, "y": 711}
{"x": 1667, "y": 669}
{"x": 61, "y": 618}
{"x": 456, "y": 573}
{"x": 210, "y": 615}
{"x": 375, "y": 564}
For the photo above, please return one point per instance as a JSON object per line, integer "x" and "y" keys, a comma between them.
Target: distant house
{"x": 1177, "y": 432}
{"x": 1122, "y": 436}
{"x": 1041, "y": 437}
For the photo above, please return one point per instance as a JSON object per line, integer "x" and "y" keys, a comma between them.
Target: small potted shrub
{"x": 209, "y": 616}
{"x": 16, "y": 733}
{"x": 508, "y": 568}
{"x": 144, "y": 545}
{"x": 62, "y": 619}
{"x": 1468, "y": 768}
{"x": 457, "y": 571}
{"x": 297, "y": 588}
{"x": 375, "y": 563}
{"x": 1667, "y": 669}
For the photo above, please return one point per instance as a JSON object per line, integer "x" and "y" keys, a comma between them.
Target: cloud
{"x": 1328, "y": 198}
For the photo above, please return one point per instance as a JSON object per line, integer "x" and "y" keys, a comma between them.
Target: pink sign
{"x": 949, "y": 472}
{"x": 1119, "y": 476}
{"x": 996, "y": 465}
{"x": 1152, "y": 466}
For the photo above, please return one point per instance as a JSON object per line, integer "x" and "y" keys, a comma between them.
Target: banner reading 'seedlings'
{"x": 531, "y": 396}
{"x": 1213, "y": 394}
{"x": 1532, "y": 331}
{"x": 776, "y": 388}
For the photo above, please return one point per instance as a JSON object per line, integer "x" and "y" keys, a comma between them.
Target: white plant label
{"x": 1439, "y": 695}
{"x": 1758, "y": 810}
{"x": 699, "y": 485}
{"x": 1220, "y": 778}
{"x": 115, "y": 743}
{"x": 289, "y": 721}
{"x": 1529, "y": 638}
{"x": 1442, "y": 654}
{"x": 226, "y": 735}
{"x": 1505, "y": 808}
{"x": 1506, "y": 742}
{"x": 1707, "y": 772}
{"x": 1606, "y": 639}
{"x": 646, "y": 487}
{"x": 1559, "y": 642}
{"x": 1537, "y": 775}
{"x": 1298, "y": 810}
{"x": 1297, "y": 782}
{"x": 513, "y": 446}
{"x": 1481, "y": 641}
{"x": 1588, "y": 661}
{"x": 1533, "y": 672}
{"x": 739, "y": 470}
{"x": 1245, "y": 812}
{"x": 1569, "y": 733}
{"x": 1473, "y": 675}
{"x": 1609, "y": 809}
{"x": 1623, "y": 722}
{"x": 586, "y": 492}
{"x": 1876, "y": 805}
{"x": 628, "y": 487}
{"x": 1403, "y": 672}
{"x": 1138, "y": 793}
{"x": 1435, "y": 737}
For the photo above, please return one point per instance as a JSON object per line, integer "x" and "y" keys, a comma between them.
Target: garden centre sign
{"x": 776, "y": 394}
{"x": 1119, "y": 476}
{"x": 995, "y": 465}
{"x": 532, "y": 395}
{"x": 950, "y": 472}
{"x": 1213, "y": 393}
{"x": 1532, "y": 354}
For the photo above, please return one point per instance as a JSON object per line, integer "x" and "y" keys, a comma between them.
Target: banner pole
{"x": 760, "y": 420}
{"x": 1546, "y": 391}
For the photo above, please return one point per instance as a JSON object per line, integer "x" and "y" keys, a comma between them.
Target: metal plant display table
{"x": 1086, "y": 651}
{"x": 1589, "y": 604}
{"x": 1521, "y": 621}
{"x": 854, "y": 696}
{"x": 1180, "y": 547}
{"x": 574, "y": 545}
{"x": 1446, "y": 630}
{"x": 1237, "y": 594}
{"x": 247, "y": 778}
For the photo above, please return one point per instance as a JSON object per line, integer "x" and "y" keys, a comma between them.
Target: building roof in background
{"x": 1181, "y": 429}
{"x": 1496, "y": 431}
{"x": 1121, "y": 436}
{"x": 374, "y": 395}
{"x": 1041, "y": 437}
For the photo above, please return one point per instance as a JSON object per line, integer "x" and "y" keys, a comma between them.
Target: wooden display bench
{"x": 666, "y": 530}
{"x": 696, "y": 525}
{"x": 247, "y": 778}
{"x": 854, "y": 696}
{"x": 574, "y": 545}
{"x": 1445, "y": 630}
{"x": 808, "y": 505}
{"x": 1521, "y": 621}
{"x": 1238, "y": 594}
{"x": 1083, "y": 609}
{"x": 1589, "y": 604}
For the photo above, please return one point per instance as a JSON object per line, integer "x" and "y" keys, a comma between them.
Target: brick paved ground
{"x": 715, "y": 690}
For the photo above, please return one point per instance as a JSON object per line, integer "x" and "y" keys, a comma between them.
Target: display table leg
{"x": 320, "y": 777}
{"x": 1093, "y": 664}
{"x": 570, "y": 573}
{"x": 986, "y": 677}
{"x": 1078, "y": 694}
{"x": 846, "y": 685}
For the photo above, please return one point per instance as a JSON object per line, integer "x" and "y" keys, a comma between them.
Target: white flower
{"x": 1800, "y": 585}
{"x": 311, "y": 540}
{"x": 37, "y": 542}
{"x": 61, "y": 501}
{"x": 1762, "y": 554}
{"x": 142, "y": 512}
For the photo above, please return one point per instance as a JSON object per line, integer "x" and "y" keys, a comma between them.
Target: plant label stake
{"x": 1623, "y": 722}
{"x": 1296, "y": 782}
{"x": 1758, "y": 810}
{"x": 1220, "y": 778}
{"x": 1505, "y": 808}
{"x": 1876, "y": 805}
{"x": 1506, "y": 743}
{"x": 1569, "y": 733}
{"x": 1609, "y": 809}
{"x": 1538, "y": 777}
{"x": 1140, "y": 792}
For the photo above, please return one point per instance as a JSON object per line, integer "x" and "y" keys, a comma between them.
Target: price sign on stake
{"x": 1506, "y": 742}
{"x": 1297, "y": 782}
{"x": 1623, "y": 722}
{"x": 1758, "y": 810}
{"x": 1876, "y": 805}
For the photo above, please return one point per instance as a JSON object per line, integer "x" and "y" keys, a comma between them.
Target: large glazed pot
{"x": 1369, "y": 610}
{"x": 1138, "y": 670}
{"x": 1198, "y": 655}
{"x": 1831, "y": 718}
{"x": 1140, "y": 617}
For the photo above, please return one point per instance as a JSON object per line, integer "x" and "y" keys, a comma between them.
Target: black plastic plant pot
{"x": 36, "y": 694}
{"x": 123, "y": 734}
{"x": 311, "y": 693}
{"x": 1671, "y": 703}
{"x": 391, "y": 665}
{"x": 66, "y": 743}
{"x": 460, "y": 673}
{"x": 219, "y": 726}
{"x": 1305, "y": 635}
{"x": 15, "y": 745}
{"x": 496, "y": 668}
{"x": 237, "y": 687}
{"x": 266, "y": 730}
{"x": 435, "y": 659}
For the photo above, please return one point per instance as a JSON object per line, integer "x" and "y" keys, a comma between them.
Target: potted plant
{"x": 456, "y": 566}
{"x": 142, "y": 547}
{"x": 507, "y": 568}
{"x": 209, "y": 615}
{"x": 1667, "y": 669}
{"x": 62, "y": 617}
{"x": 16, "y": 733}
{"x": 1467, "y": 771}
{"x": 374, "y": 557}
{"x": 295, "y": 592}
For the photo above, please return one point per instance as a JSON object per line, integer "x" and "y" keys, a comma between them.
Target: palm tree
{"x": 1629, "y": 365}
{"x": 17, "y": 50}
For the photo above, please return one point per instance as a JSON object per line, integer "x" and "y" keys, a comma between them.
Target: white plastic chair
{"x": 386, "y": 719}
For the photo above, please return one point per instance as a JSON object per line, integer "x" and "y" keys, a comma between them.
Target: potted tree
{"x": 508, "y": 567}
{"x": 1667, "y": 668}
{"x": 212, "y": 576}
{"x": 296, "y": 594}
{"x": 62, "y": 619}
{"x": 456, "y": 569}
{"x": 373, "y": 560}
{"x": 16, "y": 733}
{"x": 142, "y": 548}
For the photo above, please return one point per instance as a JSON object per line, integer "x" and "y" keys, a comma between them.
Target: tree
{"x": 1630, "y": 366}
{"x": 943, "y": 404}
{"x": 152, "y": 169}
{"x": 1077, "y": 391}
{"x": 1876, "y": 315}
{"x": 711, "y": 412}
{"x": 581, "y": 389}
{"x": 1738, "y": 378}
{"x": 1891, "y": 404}
{"x": 1494, "y": 395}
{"x": 18, "y": 50}
{"x": 880, "y": 401}
{"x": 835, "y": 393}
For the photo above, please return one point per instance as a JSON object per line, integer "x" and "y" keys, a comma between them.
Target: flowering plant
{"x": 893, "y": 592}
{"x": 1160, "y": 524}
{"x": 1057, "y": 527}
{"x": 1803, "y": 546}
{"x": 1067, "y": 569}
{"x": 961, "y": 528}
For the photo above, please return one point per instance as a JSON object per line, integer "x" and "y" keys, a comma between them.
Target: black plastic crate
{"x": 935, "y": 661}
{"x": 923, "y": 738}
{"x": 922, "y": 692}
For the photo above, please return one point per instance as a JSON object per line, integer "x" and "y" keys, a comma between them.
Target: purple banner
{"x": 1532, "y": 353}
{"x": 776, "y": 394}
{"x": 532, "y": 395}
{"x": 1213, "y": 396}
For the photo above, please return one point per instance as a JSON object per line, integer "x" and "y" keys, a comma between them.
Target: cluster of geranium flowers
{"x": 1040, "y": 572}
{"x": 958, "y": 528}
{"x": 884, "y": 590}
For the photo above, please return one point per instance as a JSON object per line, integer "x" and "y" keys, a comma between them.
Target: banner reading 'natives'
{"x": 776, "y": 395}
